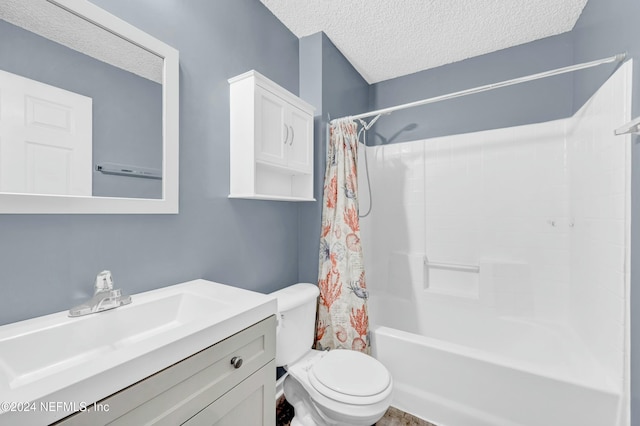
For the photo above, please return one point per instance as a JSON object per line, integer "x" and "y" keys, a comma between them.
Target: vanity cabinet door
{"x": 252, "y": 402}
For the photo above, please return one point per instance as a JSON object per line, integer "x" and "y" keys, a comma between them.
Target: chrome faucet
{"x": 104, "y": 297}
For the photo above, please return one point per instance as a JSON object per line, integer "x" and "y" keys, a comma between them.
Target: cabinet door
{"x": 272, "y": 134}
{"x": 300, "y": 140}
{"x": 252, "y": 402}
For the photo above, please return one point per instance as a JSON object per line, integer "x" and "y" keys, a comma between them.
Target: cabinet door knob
{"x": 292, "y": 136}
{"x": 286, "y": 135}
{"x": 236, "y": 361}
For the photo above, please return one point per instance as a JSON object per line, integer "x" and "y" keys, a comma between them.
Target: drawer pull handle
{"x": 236, "y": 361}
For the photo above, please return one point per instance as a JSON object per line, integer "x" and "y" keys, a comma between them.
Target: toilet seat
{"x": 350, "y": 377}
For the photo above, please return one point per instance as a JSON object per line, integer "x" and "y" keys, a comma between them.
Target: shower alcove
{"x": 498, "y": 269}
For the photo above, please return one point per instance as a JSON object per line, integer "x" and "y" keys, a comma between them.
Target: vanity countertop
{"x": 54, "y": 365}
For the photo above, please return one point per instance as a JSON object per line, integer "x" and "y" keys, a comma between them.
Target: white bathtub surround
{"x": 599, "y": 181}
{"x": 532, "y": 329}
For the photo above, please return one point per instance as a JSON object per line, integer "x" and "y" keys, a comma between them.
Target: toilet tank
{"x": 296, "y": 321}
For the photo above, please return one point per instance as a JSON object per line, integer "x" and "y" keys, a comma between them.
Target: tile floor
{"x": 393, "y": 416}
{"x": 284, "y": 412}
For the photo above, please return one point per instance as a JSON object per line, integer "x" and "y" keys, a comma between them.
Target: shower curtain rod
{"x": 616, "y": 58}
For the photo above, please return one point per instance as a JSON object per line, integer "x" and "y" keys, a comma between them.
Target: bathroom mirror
{"x": 88, "y": 112}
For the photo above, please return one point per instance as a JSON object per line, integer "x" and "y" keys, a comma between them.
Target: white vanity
{"x": 193, "y": 353}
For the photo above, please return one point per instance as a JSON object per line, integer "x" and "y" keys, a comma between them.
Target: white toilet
{"x": 337, "y": 387}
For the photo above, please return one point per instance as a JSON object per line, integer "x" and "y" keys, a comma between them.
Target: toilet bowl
{"x": 337, "y": 387}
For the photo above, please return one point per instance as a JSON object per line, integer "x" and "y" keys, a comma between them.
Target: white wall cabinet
{"x": 271, "y": 149}
{"x": 204, "y": 389}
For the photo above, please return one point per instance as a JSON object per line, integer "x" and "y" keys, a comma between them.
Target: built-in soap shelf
{"x": 452, "y": 266}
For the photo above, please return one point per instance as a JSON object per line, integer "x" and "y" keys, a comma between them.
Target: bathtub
{"x": 537, "y": 375}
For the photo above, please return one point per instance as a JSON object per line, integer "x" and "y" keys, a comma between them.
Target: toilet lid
{"x": 350, "y": 373}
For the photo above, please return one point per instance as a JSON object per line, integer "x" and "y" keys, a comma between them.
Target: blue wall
{"x": 605, "y": 28}
{"x": 330, "y": 83}
{"x": 526, "y": 103}
{"x": 48, "y": 262}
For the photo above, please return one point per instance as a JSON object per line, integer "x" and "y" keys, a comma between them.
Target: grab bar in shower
{"x": 452, "y": 266}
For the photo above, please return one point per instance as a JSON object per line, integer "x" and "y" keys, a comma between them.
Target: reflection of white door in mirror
{"x": 45, "y": 138}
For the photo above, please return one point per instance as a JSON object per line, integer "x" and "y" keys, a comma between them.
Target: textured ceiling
{"x": 53, "y": 22}
{"x": 384, "y": 39}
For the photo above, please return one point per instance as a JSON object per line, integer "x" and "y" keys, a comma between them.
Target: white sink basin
{"x": 81, "y": 360}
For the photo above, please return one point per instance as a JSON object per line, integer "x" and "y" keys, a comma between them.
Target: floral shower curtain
{"x": 343, "y": 321}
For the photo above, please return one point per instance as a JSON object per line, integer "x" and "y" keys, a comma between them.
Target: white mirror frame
{"x": 168, "y": 204}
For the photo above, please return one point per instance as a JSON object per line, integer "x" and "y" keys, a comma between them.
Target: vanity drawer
{"x": 177, "y": 393}
{"x": 238, "y": 406}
